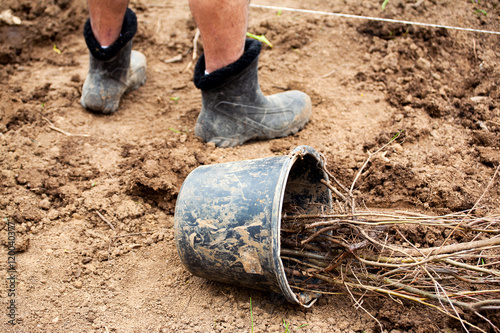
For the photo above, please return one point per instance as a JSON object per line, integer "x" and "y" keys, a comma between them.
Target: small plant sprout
{"x": 174, "y": 130}
{"x": 56, "y": 50}
{"x": 279, "y": 12}
{"x": 260, "y": 38}
{"x": 286, "y": 325}
{"x": 384, "y": 4}
{"x": 251, "y": 313}
{"x": 480, "y": 11}
{"x": 175, "y": 99}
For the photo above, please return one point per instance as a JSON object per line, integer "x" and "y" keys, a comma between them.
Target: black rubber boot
{"x": 114, "y": 70}
{"x": 234, "y": 110}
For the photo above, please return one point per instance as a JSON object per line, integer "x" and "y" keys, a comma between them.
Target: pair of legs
{"x": 222, "y": 24}
{"x": 233, "y": 110}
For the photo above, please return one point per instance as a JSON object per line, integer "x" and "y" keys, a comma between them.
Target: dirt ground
{"x": 71, "y": 194}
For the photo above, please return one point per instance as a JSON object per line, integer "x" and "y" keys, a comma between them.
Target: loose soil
{"x": 93, "y": 204}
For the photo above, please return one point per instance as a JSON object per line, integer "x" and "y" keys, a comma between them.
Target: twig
{"x": 471, "y": 267}
{"x": 493, "y": 122}
{"x": 325, "y": 169}
{"x": 328, "y": 74}
{"x": 359, "y": 305}
{"x": 334, "y": 190}
{"x": 486, "y": 189}
{"x": 476, "y": 204}
{"x": 485, "y": 243}
{"x": 370, "y": 155}
{"x": 394, "y": 293}
{"x": 195, "y": 50}
{"x": 302, "y": 254}
{"x": 52, "y": 127}
{"x": 105, "y": 220}
{"x": 113, "y": 238}
{"x": 133, "y": 234}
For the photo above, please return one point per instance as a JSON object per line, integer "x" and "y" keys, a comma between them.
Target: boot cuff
{"x": 129, "y": 28}
{"x": 219, "y": 77}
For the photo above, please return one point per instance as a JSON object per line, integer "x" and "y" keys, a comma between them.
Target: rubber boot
{"x": 234, "y": 110}
{"x": 112, "y": 71}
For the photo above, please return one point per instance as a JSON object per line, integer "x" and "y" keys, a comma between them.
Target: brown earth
{"x": 367, "y": 80}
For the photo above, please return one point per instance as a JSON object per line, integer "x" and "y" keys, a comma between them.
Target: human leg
{"x": 223, "y": 26}
{"x": 234, "y": 110}
{"x": 113, "y": 67}
{"x": 106, "y": 19}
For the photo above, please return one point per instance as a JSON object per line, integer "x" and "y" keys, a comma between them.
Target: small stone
{"x": 91, "y": 268}
{"x": 78, "y": 284}
{"x": 86, "y": 260}
{"x": 390, "y": 62}
{"x": 44, "y": 204}
{"x": 397, "y": 148}
{"x": 423, "y": 64}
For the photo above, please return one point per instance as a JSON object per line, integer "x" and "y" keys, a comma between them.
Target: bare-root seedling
{"x": 450, "y": 263}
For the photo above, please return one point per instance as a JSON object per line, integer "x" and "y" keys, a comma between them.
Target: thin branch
{"x": 52, "y": 127}
{"x": 105, "y": 220}
{"x": 195, "y": 50}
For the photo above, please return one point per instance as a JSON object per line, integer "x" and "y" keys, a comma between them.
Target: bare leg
{"x": 106, "y": 19}
{"x": 223, "y": 26}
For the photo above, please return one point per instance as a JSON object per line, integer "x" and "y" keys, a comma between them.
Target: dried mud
{"x": 93, "y": 204}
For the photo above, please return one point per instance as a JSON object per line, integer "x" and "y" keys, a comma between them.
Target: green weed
{"x": 480, "y": 11}
{"x": 288, "y": 327}
{"x": 251, "y": 313}
{"x": 260, "y": 38}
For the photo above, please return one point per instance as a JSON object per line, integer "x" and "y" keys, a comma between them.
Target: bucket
{"x": 228, "y": 217}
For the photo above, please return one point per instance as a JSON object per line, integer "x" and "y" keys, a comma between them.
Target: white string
{"x": 373, "y": 18}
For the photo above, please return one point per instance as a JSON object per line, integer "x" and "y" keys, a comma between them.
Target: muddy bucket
{"x": 228, "y": 217}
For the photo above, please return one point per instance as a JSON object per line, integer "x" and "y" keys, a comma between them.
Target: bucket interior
{"x": 304, "y": 194}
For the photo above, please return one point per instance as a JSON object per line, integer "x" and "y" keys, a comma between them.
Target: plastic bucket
{"x": 228, "y": 217}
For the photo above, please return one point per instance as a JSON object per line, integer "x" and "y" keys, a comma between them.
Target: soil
{"x": 93, "y": 204}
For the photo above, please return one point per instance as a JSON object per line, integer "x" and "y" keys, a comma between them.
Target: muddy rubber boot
{"x": 234, "y": 110}
{"x": 113, "y": 70}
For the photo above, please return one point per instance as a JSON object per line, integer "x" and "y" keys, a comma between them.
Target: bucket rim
{"x": 279, "y": 271}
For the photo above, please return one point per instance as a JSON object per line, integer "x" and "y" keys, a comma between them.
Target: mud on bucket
{"x": 228, "y": 217}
